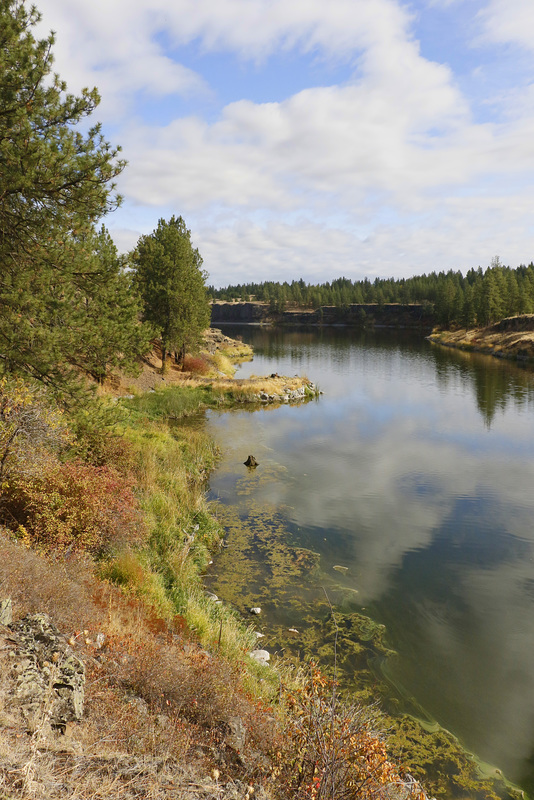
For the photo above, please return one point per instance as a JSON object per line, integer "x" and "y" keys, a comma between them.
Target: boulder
{"x": 261, "y": 656}
{"x": 50, "y": 679}
{"x": 237, "y": 734}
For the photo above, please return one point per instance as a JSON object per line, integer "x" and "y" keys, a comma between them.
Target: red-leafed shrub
{"x": 77, "y": 506}
{"x": 196, "y": 364}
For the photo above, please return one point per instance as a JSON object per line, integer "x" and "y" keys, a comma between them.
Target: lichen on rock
{"x": 49, "y": 678}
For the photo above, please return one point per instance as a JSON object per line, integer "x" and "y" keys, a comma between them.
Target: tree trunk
{"x": 163, "y": 359}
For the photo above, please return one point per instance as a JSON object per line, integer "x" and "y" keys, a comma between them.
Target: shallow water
{"x": 414, "y": 472}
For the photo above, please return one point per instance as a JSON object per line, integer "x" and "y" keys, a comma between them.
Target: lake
{"x": 402, "y": 497}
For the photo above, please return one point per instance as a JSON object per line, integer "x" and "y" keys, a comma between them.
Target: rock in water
{"x": 251, "y": 462}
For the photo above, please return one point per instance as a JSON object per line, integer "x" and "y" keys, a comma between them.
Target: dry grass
{"x": 159, "y": 707}
{"x": 504, "y": 341}
{"x": 248, "y": 389}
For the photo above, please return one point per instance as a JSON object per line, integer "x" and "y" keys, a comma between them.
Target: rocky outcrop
{"x": 48, "y": 679}
{"x": 288, "y": 395}
{"x": 394, "y": 315}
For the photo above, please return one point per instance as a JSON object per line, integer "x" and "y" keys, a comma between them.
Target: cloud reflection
{"x": 395, "y": 474}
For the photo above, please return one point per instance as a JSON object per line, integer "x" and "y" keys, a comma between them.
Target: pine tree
{"x": 171, "y": 282}
{"x": 111, "y": 306}
{"x": 55, "y": 183}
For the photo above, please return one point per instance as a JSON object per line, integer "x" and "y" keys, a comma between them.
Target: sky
{"x": 315, "y": 138}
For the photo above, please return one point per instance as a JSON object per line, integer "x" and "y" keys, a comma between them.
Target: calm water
{"x": 415, "y": 472}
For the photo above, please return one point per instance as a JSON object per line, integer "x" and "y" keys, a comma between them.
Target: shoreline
{"x": 511, "y": 338}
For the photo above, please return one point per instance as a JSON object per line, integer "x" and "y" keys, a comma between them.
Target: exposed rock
{"x": 355, "y": 315}
{"x": 261, "y": 656}
{"x": 237, "y": 735}
{"x": 251, "y": 462}
{"x": 49, "y": 678}
{"x": 6, "y": 612}
{"x": 139, "y": 704}
{"x": 289, "y": 395}
{"x": 255, "y": 610}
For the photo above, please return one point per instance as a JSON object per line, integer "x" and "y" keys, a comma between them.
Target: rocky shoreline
{"x": 511, "y": 338}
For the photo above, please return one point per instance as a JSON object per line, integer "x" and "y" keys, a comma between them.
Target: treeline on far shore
{"x": 479, "y": 297}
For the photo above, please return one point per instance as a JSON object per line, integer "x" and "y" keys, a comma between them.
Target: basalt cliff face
{"x": 362, "y": 316}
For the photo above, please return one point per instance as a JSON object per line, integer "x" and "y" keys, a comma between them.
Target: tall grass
{"x": 191, "y": 397}
{"x": 171, "y": 466}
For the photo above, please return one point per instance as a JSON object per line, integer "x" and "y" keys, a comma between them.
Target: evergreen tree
{"x": 171, "y": 282}
{"x": 112, "y": 335}
{"x": 55, "y": 183}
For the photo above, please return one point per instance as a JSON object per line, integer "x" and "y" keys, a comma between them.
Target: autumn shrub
{"x": 334, "y": 749}
{"x": 31, "y": 428}
{"x": 197, "y": 365}
{"x": 198, "y": 686}
{"x": 74, "y": 506}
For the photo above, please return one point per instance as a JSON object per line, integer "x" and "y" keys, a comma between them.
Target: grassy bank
{"x": 511, "y": 338}
{"x": 107, "y": 530}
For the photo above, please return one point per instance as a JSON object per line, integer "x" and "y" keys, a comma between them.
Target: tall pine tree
{"x": 55, "y": 183}
{"x": 172, "y": 285}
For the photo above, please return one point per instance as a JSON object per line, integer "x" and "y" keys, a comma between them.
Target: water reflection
{"x": 494, "y": 382}
{"x": 415, "y": 472}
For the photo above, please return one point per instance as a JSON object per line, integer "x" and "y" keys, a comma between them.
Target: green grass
{"x": 172, "y": 463}
{"x": 172, "y": 403}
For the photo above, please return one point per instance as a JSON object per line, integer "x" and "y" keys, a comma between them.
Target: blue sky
{"x": 314, "y": 138}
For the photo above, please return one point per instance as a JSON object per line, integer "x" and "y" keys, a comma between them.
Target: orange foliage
{"x": 335, "y": 750}
{"x": 196, "y": 364}
{"x": 75, "y": 506}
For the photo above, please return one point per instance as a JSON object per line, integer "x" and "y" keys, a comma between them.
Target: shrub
{"x": 335, "y": 750}
{"x": 197, "y": 365}
{"x": 75, "y": 506}
{"x": 63, "y": 589}
{"x": 30, "y": 428}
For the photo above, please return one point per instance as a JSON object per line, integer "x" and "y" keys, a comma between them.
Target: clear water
{"x": 415, "y": 472}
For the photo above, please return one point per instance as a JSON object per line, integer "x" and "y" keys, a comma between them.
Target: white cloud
{"x": 464, "y": 233}
{"x": 509, "y": 21}
{"x": 387, "y": 173}
{"x": 250, "y": 29}
{"x": 113, "y": 46}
